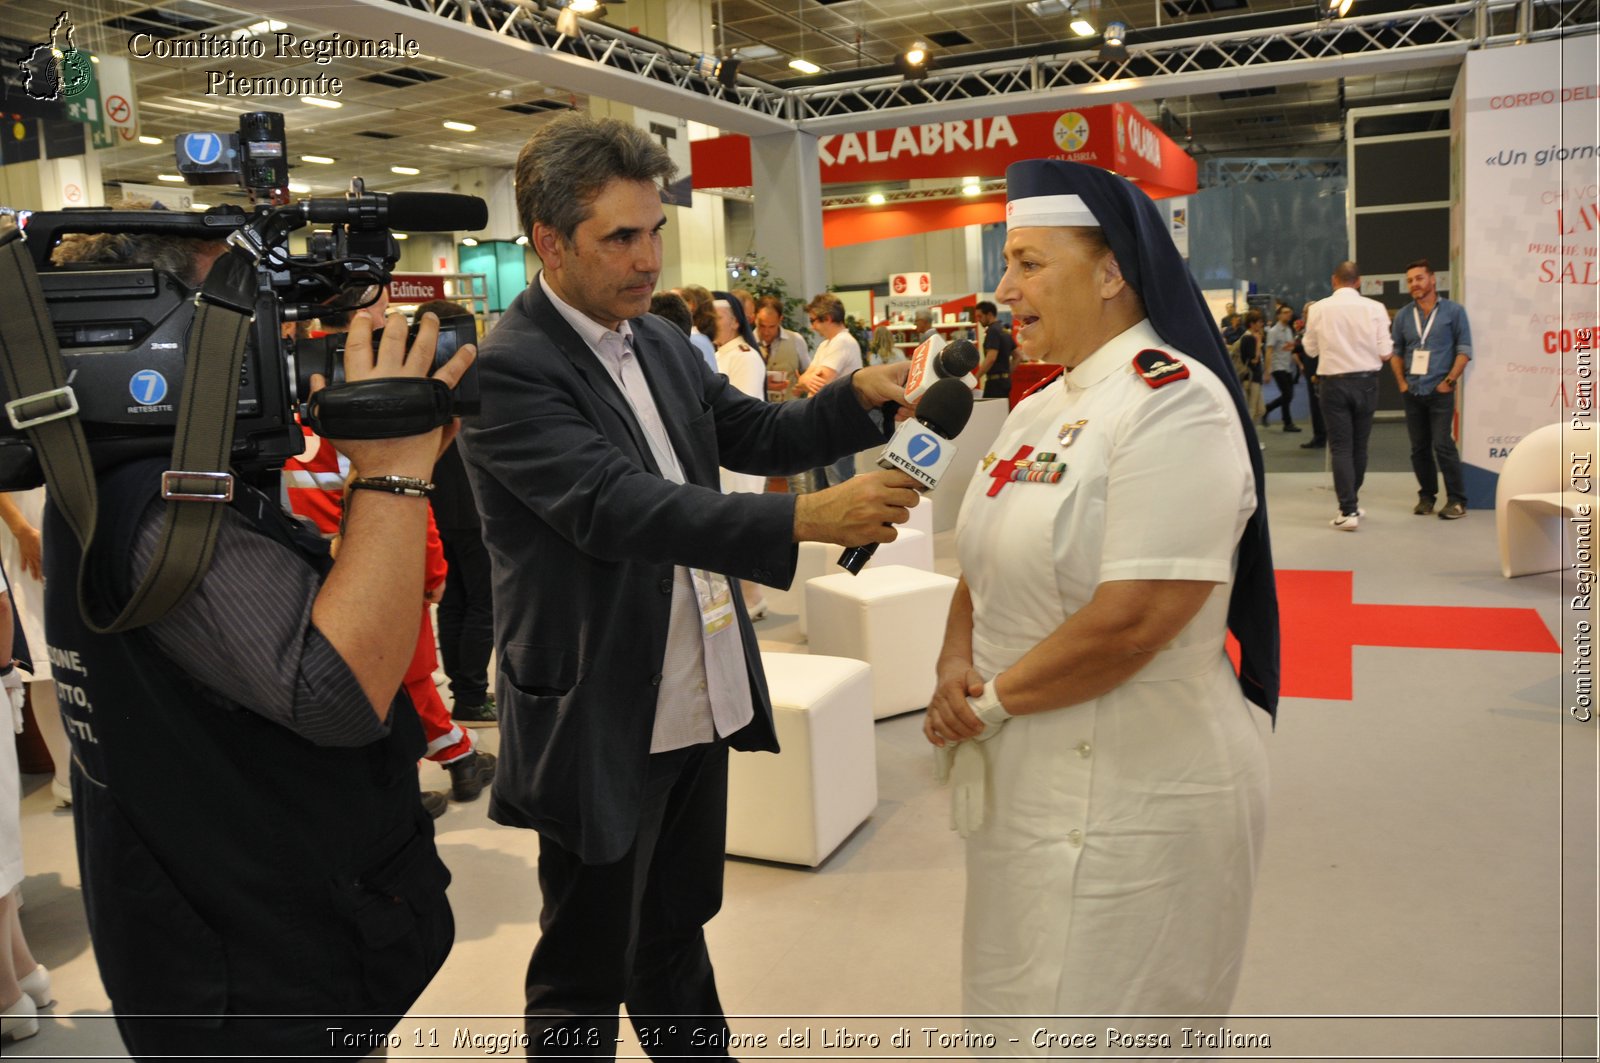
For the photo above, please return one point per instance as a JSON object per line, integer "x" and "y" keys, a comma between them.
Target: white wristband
{"x": 987, "y": 705}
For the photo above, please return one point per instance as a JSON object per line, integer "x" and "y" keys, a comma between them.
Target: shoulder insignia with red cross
{"x": 1158, "y": 367}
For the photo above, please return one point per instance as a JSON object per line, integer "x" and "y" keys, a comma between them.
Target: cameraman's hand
{"x": 407, "y": 455}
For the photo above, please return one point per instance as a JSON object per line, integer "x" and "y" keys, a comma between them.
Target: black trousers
{"x": 466, "y": 616}
{"x": 1433, "y": 449}
{"x": 1285, "y": 381}
{"x": 1348, "y": 403}
{"x": 632, "y": 932}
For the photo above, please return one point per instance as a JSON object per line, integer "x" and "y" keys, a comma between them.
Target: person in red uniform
{"x": 314, "y": 489}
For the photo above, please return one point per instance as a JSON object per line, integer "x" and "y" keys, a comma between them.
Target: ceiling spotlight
{"x": 970, "y": 186}
{"x": 145, "y": 139}
{"x": 567, "y": 22}
{"x": 407, "y": 171}
{"x": 1081, "y": 26}
{"x": 461, "y": 127}
{"x": 1335, "y": 8}
{"x": 913, "y": 62}
{"x": 728, "y": 72}
{"x": 467, "y": 241}
{"x": 583, "y": 7}
{"x": 1113, "y": 48}
{"x": 805, "y": 66}
{"x": 877, "y": 199}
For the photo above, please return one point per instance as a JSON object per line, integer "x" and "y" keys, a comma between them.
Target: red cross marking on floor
{"x": 1321, "y": 624}
{"x": 1003, "y": 470}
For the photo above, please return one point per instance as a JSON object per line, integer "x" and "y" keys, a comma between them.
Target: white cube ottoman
{"x": 890, "y": 616}
{"x": 796, "y": 806}
{"x": 911, "y": 547}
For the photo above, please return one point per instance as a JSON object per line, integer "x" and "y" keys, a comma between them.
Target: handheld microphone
{"x": 921, "y": 447}
{"x": 930, "y": 364}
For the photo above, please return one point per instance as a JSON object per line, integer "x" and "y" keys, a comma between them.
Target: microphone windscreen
{"x": 959, "y": 358}
{"x": 436, "y": 212}
{"x": 946, "y": 407}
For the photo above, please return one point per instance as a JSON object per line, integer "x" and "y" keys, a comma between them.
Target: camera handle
{"x": 198, "y": 485}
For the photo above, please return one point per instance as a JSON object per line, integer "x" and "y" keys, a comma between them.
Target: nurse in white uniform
{"x": 1109, "y": 771}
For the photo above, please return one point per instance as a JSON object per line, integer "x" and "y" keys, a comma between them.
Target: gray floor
{"x": 1430, "y": 853}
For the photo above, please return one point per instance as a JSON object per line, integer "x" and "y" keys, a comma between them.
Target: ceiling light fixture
{"x": 913, "y": 62}
{"x": 1113, "y": 47}
{"x": 467, "y": 241}
{"x": 1335, "y": 8}
{"x": 567, "y": 22}
{"x": 402, "y": 236}
{"x": 461, "y": 127}
{"x": 318, "y": 101}
{"x": 323, "y": 160}
{"x": 144, "y": 139}
{"x": 877, "y": 199}
{"x": 174, "y": 178}
{"x": 408, "y": 171}
{"x": 522, "y": 241}
{"x": 299, "y": 188}
{"x": 583, "y": 7}
{"x": 1041, "y": 8}
{"x": 1081, "y": 26}
{"x": 805, "y": 66}
{"x": 971, "y": 186}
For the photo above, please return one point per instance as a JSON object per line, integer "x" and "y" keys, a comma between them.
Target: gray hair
{"x": 567, "y": 162}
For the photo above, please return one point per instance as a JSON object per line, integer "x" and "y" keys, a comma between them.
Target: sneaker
{"x": 1454, "y": 511}
{"x": 1346, "y": 521}
{"x": 470, "y": 774}
{"x": 1292, "y": 428}
{"x": 475, "y": 715}
{"x": 1423, "y": 507}
{"x": 434, "y": 802}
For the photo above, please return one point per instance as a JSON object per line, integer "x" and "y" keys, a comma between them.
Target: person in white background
{"x": 1349, "y": 335}
{"x": 838, "y": 355}
{"x": 738, "y": 360}
{"x": 21, "y": 513}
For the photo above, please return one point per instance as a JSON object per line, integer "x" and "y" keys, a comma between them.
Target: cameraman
{"x": 258, "y": 873}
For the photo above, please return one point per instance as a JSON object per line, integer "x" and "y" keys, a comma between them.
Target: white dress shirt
{"x": 1349, "y": 333}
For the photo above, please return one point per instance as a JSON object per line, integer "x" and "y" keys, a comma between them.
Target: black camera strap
{"x": 197, "y": 487}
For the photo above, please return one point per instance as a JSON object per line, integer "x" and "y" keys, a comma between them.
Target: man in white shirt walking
{"x": 1349, "y": 333}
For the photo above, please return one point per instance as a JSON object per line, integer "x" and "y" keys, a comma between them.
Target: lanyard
{"x": 1416, "y": 319}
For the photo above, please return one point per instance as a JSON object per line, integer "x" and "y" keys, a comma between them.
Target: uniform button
{"x": 655, "y": 680}
{"x": 665, "y": 586}
{"x": 1083, "y": 749}
{"x": 700, "y": 685}
{"x": 1075, "y": 838}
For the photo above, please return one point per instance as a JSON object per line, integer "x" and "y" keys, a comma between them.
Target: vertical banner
{"x": 1177, "y": 211}
{"x": 1530, "y": 277}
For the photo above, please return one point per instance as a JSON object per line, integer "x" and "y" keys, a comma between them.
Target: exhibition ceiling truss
{"x": 1326, "y": 48}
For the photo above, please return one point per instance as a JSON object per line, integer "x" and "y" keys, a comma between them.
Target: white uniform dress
{"x": 1114, "y": 870}
{"x": 745, "y": 370}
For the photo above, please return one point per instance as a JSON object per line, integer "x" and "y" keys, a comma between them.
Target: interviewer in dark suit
{"x": 627, "y": 663}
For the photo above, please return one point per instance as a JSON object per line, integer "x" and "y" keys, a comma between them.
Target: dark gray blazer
{"x": 583, "y": 534}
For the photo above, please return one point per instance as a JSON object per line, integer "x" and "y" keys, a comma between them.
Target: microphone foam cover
{"x": 946, "y": 407}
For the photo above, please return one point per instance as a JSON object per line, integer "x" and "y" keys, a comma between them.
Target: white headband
{"x": 1049, "y": 210}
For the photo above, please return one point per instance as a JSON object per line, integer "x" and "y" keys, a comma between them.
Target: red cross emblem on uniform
{"x": 1003, "y": 469}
